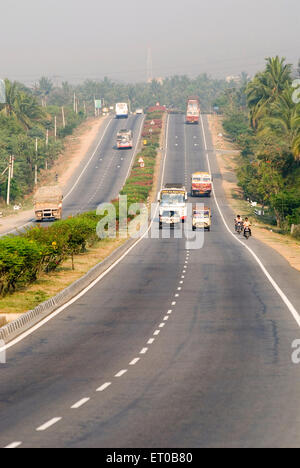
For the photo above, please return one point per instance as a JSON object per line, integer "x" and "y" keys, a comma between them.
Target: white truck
{"x": 122, "y": 110}
{"x": 172, "y": 199}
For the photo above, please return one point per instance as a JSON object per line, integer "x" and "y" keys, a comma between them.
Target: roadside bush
{"x": 20, "y": 262}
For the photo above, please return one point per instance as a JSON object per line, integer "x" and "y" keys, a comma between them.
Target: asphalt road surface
{"x": 173, "y": 348}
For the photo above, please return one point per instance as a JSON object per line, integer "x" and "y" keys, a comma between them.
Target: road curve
{"x": 174, "y": 348}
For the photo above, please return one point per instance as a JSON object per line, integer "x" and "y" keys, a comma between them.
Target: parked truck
{"x": 193, "y": 110}
{"x": 48, "y": 203}
{"x": 122, "y": 110}
{"x": 124, "y": 139}
{"x": 201, "y": 184}
{"x": 172, "y": 198}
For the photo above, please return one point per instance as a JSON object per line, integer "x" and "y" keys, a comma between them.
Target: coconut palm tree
{"x": 22, "y": 106}
{"x": 266, "y": 86}
{"x": 284, "y": 120}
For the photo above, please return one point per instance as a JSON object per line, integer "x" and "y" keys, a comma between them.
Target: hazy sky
{"x": 75, "y": 39}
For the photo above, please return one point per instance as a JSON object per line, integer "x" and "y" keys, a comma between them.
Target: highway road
{"x": 173, "y": 348}
{"x": 102, "y": 172}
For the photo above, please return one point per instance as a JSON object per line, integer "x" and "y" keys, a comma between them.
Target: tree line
{"x": 262, "y": 117}
{"x": 29, "y": 114}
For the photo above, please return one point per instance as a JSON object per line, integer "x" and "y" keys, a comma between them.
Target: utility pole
{"x": 74, "y": 105}
{"x": 9, "y": 181}
{"x": 35, "y": 166}
{"x": 63, "y": 117}
{"x": 47, "y": 137}
{"x": 84, "y": 108}
{"x": 12, "y": 166}
{"x": 55, "y": 127}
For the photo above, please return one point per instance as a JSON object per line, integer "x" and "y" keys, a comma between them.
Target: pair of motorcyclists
{"x": 241, "y": 225}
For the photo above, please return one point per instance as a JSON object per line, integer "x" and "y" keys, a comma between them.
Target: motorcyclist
{"x": 247, "y": 225}
{"x": 238, "y": 220}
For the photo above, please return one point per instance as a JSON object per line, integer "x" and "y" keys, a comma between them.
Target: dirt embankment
{"x": 75, "y": 149}
{"x": 228, "y": 160}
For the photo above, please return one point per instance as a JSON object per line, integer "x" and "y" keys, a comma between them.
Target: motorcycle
{"x": 239, "y": 228}
{"x": 247, "y": 233}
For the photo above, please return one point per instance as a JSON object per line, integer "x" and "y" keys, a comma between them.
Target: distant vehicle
{"x": 124, "y": 139}
{"x": 48, "y": 203}
{"x": 193, "y": 110}
{"x": 173, "y": 197}
{"x": 201, "y": 184}
{"x": 122, "y": 110}
{"x": 169, "y": 218}
{"x": 139, "y": 111}
{"x": 201, "y": 218}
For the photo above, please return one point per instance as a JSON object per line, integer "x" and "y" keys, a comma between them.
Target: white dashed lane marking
{"x": 13, "y": 445}
{"x": 121, "y": 373}
{"x": 48, "y": 424}
{"x": 104, "y": 387}
{"x": 144, "y": 351}
{"x": 134, "y": 361}
{"x": 80, "y": 403}
{"x": 157, "y": 332}
{"x": 151, "y": 341}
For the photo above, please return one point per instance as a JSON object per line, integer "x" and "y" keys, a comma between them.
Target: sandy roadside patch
{"x": 76, "y": 147}
{"x": 228, "y": 160}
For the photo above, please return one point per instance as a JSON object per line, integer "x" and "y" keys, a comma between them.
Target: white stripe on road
{"x": 48, "y": 424}
{"x": 121, "y": 373}
{"x": 157, "y": 332}
{"x": 144, "y": 351}
{"x": 80, "y": 403}
{"x": 151, "y": 341}
{"x": 13, "y": 445}
{"x": 134, "y": 361}
{"x": 104, "y": 387}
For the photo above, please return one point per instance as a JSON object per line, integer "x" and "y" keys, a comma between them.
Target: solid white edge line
{"x": 279, "y": 291}
{"x": 88, "y": 288}
{"x": 48, "y": 424}
{"x": 80, "y": 403}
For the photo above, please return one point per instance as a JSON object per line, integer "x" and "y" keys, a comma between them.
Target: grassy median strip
{"x": 40, "y": 263}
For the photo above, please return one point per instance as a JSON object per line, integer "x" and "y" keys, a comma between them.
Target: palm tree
{"x": 265, "y": 88}
{"x": 284, "y": 120}
{"x": 22, "y": 106}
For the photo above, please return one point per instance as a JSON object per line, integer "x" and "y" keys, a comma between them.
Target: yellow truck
{"x": 48, "y": 203}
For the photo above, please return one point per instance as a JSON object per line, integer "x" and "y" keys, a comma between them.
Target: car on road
{"x": 201, "y": 218}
